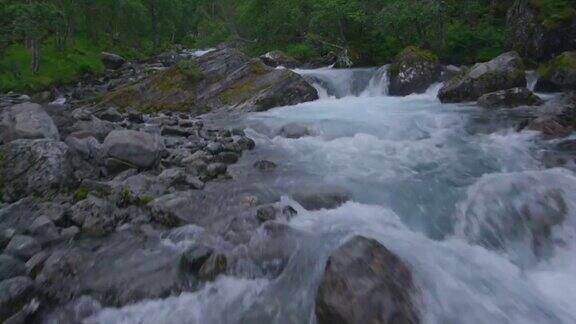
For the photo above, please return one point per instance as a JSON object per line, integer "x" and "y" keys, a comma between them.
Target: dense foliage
{"x": 46, "y": 41}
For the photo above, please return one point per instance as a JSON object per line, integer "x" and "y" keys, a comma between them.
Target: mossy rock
{"x": 413, "y": 71}
{"x": 558, "y": 74}
{"x": 174, "y": 89}
{"x": 553, "y": 13}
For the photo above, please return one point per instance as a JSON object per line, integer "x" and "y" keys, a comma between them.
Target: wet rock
{"x": 558, "y": 74}
{"x": 26, "y": 121}
{"x": 279, "y": 58}
{"x": 413, "y": 71}
{"x": 550, "y": 127}
{"x": 214, "y": 266}
{"x": 35, "y": 167}
{"x": 138, "y": 148}
{"x": 246, "y": 143}
{"x": 216, "y": 169}
{"x": 14, "y": 294}
{"x": 175, "y": 210}
{"x": 264, "y": 165}
{"x": 365, "y": 283}
{"x": 294, "y": 130}
{"x": 227, "y": 157}
{"x": 504, "y": 72}
{"x": 510, "y": 98}
{"x": 112, "y": 61}
{"x": 194, "y": 258}
{"x": 267, "y": 213}
{"x": 11, "y": 267}
{"x": 23, "y": 247}
{"x": 320, "y": 199}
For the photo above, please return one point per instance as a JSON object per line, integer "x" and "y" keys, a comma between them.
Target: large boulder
{"x": 38, "y": 167}
{"x": 140, "y": 149}
{"x": 558, "y": 74}
{"x": 279, "y": 58}
{"x": 112, "y": 61}
{"x": 365, "y": 283}
{"x": 413, "y": 71}
{"x": 27, "y": 121}
{"x": 504, "y": 72}
{"x": 536, "y": 34}
{"x": 509, "y": 98}
{"x": 14, "y": 294}
{"x": 222, "y": 78}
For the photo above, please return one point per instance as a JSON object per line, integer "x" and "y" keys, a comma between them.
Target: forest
{"x": 43, "y": 42}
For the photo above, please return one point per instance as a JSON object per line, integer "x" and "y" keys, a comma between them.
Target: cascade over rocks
{"x": 504, "y": 72}
{"x": 510, "y": 98}
{"x": 413, "y": 71}
{"x": 223, "y": 77}
{"x": 26, "y": 121}
{"x": 533, "y": 38}
{"x": 365, "y": 283}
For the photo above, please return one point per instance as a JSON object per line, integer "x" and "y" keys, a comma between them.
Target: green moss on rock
{"x": 553, "y": 13}
{"x": 412, "y": 55}
{"x": 565, "y": 62}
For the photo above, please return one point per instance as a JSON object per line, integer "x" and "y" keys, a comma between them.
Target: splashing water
{"x": 466, "y": 205}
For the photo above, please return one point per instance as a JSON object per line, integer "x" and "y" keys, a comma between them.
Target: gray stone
{"x": 23, "y": 246}
{"x": 95, "y": 216}
{"x": 365, "y": 283}
{"x": 11, "y": 267}
{"x": 504, "y": 72}
{"x": 110, "y": 114}
{"x": 294, "y": 130}
{"x": 216, "y": 169}
{"x": 413, "y": 71}
{"x": 14, "y": 294}
{"x": 35, "y": 167}
{"x": 194, "y": 258}
{"x": 510, "y": 98}
{"x": 112, "y": 61}
{"x": 264, "y": 165}
{"x": 26, "y": 121}
{"x": 35, "y": 264}
{"x": 44, "y": 230}
{"x": 227, "y": 157}
{"x": 214, "y": 266}
{"x": 138, "y": 148}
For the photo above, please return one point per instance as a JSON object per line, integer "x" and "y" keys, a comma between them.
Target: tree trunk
{"x": 35, "y": 48}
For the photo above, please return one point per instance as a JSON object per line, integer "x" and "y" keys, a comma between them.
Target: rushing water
{"x": 445, "y": 187}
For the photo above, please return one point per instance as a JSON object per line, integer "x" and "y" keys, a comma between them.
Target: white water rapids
{"x": 442, "y": 186}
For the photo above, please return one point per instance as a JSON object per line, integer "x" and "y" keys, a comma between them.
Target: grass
{"x": 56, "y": 67}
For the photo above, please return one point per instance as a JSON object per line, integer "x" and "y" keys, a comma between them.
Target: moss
{"x": 553, "y": 13}
{"x": 190, "y": 69}
{"x": 239, "y": 91}
{"x": 145, "y": 200}
{"x": 412, "y": 55}
{"x": 563, "y": 62}
{"x": 80, "y": 194}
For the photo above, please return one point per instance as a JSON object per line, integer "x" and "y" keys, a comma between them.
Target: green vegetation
{"x": 189, "y": 68}
{"x": 566, "y": 62}
{"x": 80, "y": 194}
{"x": 45, "y": 42}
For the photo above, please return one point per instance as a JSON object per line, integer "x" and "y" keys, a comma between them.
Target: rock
{"x": 227, "y": 157}
{"x": 222, "y": 78}
{"x": 93, "y": 127}
{"x": 215, "y": 169}
{"x": 112, "y": 61}
{"x": 115, "y": 166}
{"x": 23, "y": 246}
{"x": 550, "y": 127}
{"x": 95, "y": 216}
{"x": 365, "y": 283}
{"x": 176, "y": 131}
{"x": 35, "y": 264}
{"x": 35, "y": 167}
{"x": 138, "y": 148}
{"x": 320, "y": 199}
{"x": 135, "y": 116}
{"x": 15, "y": 218}
{"x": 558, "y": 74}
{"x": 246, "y": 143}
{"x": 294, "y": 130}
{"x": 11, "y": 267}
{"x": 504, "y": 72}
{"x": 88, "y": 148}
{"x": 69, "y": 232}
{"x": 174, "y": 210}
{"x": 26, "y": 121}
{"x": 510, "y": 98}
{"x": 14, "y": 294}
{"x": 537, "y": 37}
{"x": 214, "y": 266}
{"x": 214, "y": 148}
{"x": 110, "y": 114}
{"x": 44, "y": 230}
{"x": 264, "y": 165}
{"x": 279, "y": 58}
{"x": 267, "y": 213}
{"x": 413, "y": 71}
{"x": 194, "y": 258}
